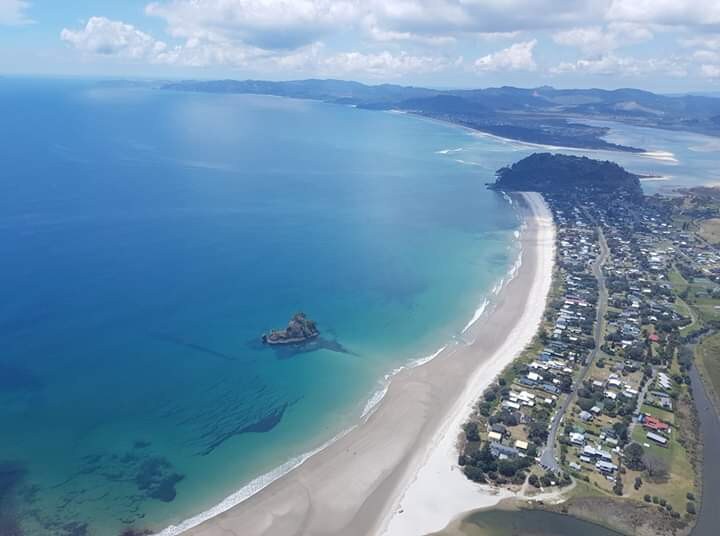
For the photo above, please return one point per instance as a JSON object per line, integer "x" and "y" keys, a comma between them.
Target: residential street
{"x": 549, "y": 458}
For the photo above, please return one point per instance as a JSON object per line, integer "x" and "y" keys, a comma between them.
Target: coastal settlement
{"x": 602, "y": 396}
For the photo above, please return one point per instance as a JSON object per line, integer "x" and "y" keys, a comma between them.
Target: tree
{"x": 690, "y": 508}
{"x": 656, "y": 467}
{"x": 471, "y": 431}
{"x": 534, "y": 481}
{"x": 474, "y": 473}
{"x": 634, "y": 453}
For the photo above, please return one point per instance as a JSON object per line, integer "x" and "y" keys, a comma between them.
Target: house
{"x": 586, "y": 416}
{"x": 502, "y": 451}
{"x": 499, "y": 429}
{"x": 494, "y": 436}
{"x": 577, "y": 439}
{"x": 521, "y": 445}
{"x": 657, "y": 438}
{"x": 653, "y": 423}
{"x": 605, "y": 467}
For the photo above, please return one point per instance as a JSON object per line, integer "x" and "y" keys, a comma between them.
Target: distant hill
{"x": 556, "y": 173}
{"x": 543, "y": 115}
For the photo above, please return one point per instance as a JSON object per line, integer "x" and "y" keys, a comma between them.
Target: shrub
{"x": 655, "y": 499}
{"x": 647, "y": 498}
{"x": 471, "y": 431}
{"x": 534, "y": 481}
{"x": 690, "y": 496}
{"x": 474, "y": 473}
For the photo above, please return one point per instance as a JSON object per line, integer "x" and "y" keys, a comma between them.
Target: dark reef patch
{"x": 264, "y": 424}
{"x": 140, "y": 444}
{"x": 155, "y": 477}
{"x": 15, "y": 378}
{"x": 193, "y": 346}
{"x": 288, "y": 351}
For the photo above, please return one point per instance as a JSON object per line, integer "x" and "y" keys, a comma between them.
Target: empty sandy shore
{"x": 395, "y": 474}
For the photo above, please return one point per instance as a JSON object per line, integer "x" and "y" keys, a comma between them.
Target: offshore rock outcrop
{"x": 300, "y": 329}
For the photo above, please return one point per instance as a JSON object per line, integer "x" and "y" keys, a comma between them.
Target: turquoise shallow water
{"x": 148, "y": 238}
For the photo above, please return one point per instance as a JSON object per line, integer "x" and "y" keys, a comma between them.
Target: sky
{"x": 659, "y": 45}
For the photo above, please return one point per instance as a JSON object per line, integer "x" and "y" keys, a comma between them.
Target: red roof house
{"x": 653, "y": 423}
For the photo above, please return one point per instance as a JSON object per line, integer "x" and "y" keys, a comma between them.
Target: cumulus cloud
{"x": 517, "y": 57}
{"x": 14, "y": 12}
{"x": 710, "y": 71}
{"x": 666, "y": 12}
{"x": 101, "y": 36}
{"x": 711, "y": 42}
{"x": 597, "y": 40}
{"x": 384, "y": 64}
{"x": 482, "y": 16}
{"x": 401, "y": 36}
{"x": 623, "y": 66}
{"x": 266, "y": 24}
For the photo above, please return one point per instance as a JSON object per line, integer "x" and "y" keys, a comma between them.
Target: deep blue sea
{"x": 148, "y": 238}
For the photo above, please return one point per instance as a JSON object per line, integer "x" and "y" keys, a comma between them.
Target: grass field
{"x": 710, "y": 230}
{"x": 708, "y": 363}
{"x": 681, "y": 474}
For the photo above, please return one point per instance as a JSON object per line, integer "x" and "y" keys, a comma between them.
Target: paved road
{"x": 549, "y": 457}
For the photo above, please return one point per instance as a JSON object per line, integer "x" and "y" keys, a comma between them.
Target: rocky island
{"x": 300, "y": 329}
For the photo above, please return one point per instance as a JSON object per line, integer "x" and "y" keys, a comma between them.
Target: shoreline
{"x": 417, "y": 419}
{"x": 651, "y": 154}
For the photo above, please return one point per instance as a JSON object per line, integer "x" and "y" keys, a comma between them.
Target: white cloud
{"x": 440, "y": 17}
{"x": 623, "y": 66}
{"x": 667, "y": 12}
{"x": 710, "y": 71}
{"x": 711, "y": 42}
{"x": 382, "y": 65}
{"x": 102, "y": 36}
{"x": 596, "y": 40}
{"x": 266, "y": 24}
{"x": 14, "y": 12}
{"x": 706, "y": 56}
{"x": 517, "y": 57}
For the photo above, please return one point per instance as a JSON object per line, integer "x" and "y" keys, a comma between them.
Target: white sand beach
{"x": 396, "y": 473}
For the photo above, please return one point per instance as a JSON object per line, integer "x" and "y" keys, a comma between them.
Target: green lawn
{"x": 681, "y": 479}
{"x": 677, "y": 281}
{"x": 708, "y": 361}
{"x": 662, "y": 414}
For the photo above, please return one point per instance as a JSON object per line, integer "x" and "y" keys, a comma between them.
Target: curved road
{"x": 549, "y": 458}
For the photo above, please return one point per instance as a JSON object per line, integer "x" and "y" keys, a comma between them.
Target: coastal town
{"x": 601, "y": 402}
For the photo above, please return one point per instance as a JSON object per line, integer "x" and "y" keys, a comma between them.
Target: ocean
{"x": 148, "y": 238}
